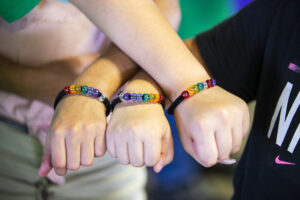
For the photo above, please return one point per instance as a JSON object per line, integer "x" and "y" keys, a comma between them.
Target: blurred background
{"x": 184, "y": 178}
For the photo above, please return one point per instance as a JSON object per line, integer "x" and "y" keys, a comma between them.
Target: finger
{"x": 100, "y": 143}
{"x": 205, "y": 148}
{"x": 110, "y": 144}
{"x": 246, "y": 123}
{"x": 152, "y": 150}
{"x": 223, "y": 137}
{"x": 73, "y": 153}
{"x": 46, "y": 166}
{"x": 58, "y": 155}
{"x": 237, "y": 137}
{"x": 136, "y": 153}
{"x": 87, "y": 153}
{"x": 167, "y": 153}
{"x": 122, "y": 153}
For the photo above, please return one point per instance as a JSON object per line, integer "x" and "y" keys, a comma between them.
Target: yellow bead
{"x": 157, "y": 97}
{"x": 72, "y": 89}
{"x": 192, "y": 90}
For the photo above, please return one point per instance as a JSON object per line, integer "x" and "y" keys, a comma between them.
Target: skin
{"x": 77, "y": 135}
{"x": 140, "y": 134}
{"x": 211, "y": 124}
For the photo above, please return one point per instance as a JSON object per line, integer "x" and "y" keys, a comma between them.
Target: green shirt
{"x": 12, "y": 10}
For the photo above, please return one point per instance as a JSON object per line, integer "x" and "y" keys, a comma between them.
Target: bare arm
{"x": 141, "y": 31}
{"x": 44, "y": 82}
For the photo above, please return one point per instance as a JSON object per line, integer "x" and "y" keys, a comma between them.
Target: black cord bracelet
{"x": 140, "y": 98}
{"x": 190, "y": 92}
{"x": 83, "y": 90}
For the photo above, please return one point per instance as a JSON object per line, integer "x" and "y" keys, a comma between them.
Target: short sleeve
{"x": 233, "y": 50}
{"x": 12, "y": 10}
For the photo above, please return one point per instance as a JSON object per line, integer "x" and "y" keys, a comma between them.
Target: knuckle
{"x": 73, "y": 167}
{"x": 87, "y": 163}
{"x": 207, "y": 161}
{"x": 151, "y": 162}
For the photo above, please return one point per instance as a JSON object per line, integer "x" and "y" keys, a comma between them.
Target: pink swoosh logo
{"x": 280, "y": 162}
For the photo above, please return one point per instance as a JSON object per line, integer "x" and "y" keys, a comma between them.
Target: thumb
{"x": 167, "y": 153}
{"x": 46, "y": 163}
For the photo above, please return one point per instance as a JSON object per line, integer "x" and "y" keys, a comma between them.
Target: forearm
{"x": 141, "y": 31}
{"x": 42, "y": 83}
{"x": 109, "y": 72}
{"x": 141, "y": 82}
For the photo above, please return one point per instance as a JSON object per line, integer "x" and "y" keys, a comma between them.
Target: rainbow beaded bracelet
{"x": 138, "y": 97}
{"x": 190, "y": 92}
{"x": 86, "y": 91}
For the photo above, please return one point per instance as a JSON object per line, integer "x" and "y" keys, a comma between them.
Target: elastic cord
{"x": 104, "y": 100}
{"x": 118, "y": 100}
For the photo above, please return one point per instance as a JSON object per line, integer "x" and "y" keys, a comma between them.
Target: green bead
{"x": 152, "y": 97}
{"x": 146, "y": 97}
{"x": 200, "y": 86}
{"x": 78, "y": 88}
{"x": 84, "y": 89}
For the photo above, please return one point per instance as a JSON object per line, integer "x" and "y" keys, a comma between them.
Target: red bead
{"x": 161, "y": 99}
{"x": 67, "y": 90}
{"x": 185, "y": 94}
{"x": 209, "y": 83}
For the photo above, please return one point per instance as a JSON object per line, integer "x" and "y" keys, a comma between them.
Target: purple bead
{"x": 214, "y": 82}
{"x": 90, "y": 91}
{"x": 133, "y": 97}
{"x": 126, "y": 97}
{"x": 139, "y": 97}
{"x": 95, "y": 93}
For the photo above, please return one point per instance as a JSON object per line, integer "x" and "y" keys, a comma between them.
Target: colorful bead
{"x": 84, "y": 89}
{"x": 146, "y": 97}
{"x": 214, "y": 82}
{"x": 185, "y": 94}
{"x": 205, "y": 85}
{"x": 209, "y": 83}
{"x": 95, "y": 93}
{"x": 139, "y": 97}
{"x": 133, "y": 97}
{"x": 67, "y": 90}
{"x": 121, "y": 96}
{"x": 200, "y": 86}
{"x": 161, "y": 98}
{"x": 126, "y": 97}
{"x": 78, "y": 88}
{"x": 152, "y": 97}
{"x": 72, "y": 89}
{"x": 157, "y": 97}
{"x": 193, "y": 90}
{"x": 90, "y": 91}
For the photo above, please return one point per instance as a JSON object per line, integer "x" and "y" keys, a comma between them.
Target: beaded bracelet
{"x": 83, "y": 90}
{"x": 138, "y": 97}
{"x": 190, "y": 92}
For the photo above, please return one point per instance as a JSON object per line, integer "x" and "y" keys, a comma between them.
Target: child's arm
{"x": 67, "y": 123}
{"x": 77, "y": 131}
{"x": 142, "y": 32}
{"x": 42, "y": 82}
{"x": 140, "y": 134}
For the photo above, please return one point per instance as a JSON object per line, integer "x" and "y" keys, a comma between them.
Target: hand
{"x": 76, "y": 135}
{"x": 212, "y": 124}
{"x": 139, "y": 134}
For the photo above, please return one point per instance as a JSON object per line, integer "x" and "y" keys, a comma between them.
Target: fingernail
{"x": 227, "y": 162}
{"x": 60, "y": 171}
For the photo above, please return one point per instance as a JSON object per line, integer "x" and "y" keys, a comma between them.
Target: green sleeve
{"x": 12, "y": 10}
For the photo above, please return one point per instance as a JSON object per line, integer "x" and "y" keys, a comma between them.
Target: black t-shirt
{"x": 256, "y": 55}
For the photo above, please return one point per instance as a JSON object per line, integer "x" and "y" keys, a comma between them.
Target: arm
{"x": 106, "y": 75}
{"x": 44, "y": 82}
{"x": 140, "y": 134}
{"x": 140, "y": 30}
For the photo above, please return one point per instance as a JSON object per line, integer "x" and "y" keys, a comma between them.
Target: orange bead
{"x": 72, "y": 89}
{"x": 192, "y": 90}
